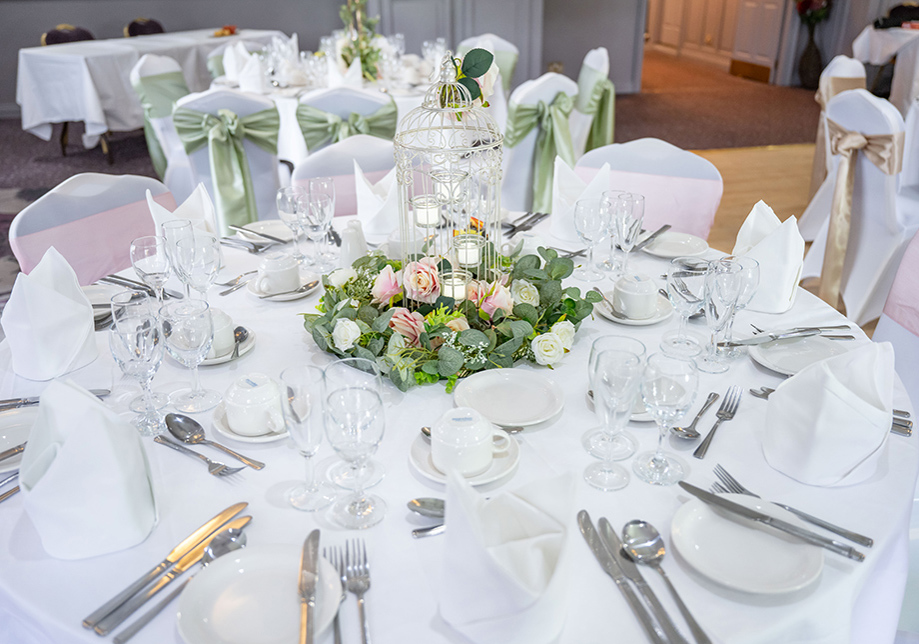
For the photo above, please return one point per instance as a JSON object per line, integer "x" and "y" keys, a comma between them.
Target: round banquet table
{"x": 42, "y": 600}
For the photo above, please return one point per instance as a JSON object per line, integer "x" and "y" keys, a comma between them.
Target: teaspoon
{"x": 428, "y": 507}
{"x": 689, "y": 432}
{"x": 190, "y": 431}
{"x": 240, "y": 335}
{"x": 513, "y": 429}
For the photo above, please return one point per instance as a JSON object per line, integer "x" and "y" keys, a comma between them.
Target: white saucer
{"x": 790, "y": 356}
{"x": 273, "y": 227}
{"x": 244, "y": 347}
{"x": 253, "y": 288}
{"x": 219, "y": 422}
{"x": 99, "y": 294}
{"x": 502, "y": 464}
{"x": 670, "y": 244}
{"x": 510, "y": 397}
{"x": 664, "y": 311}
{"x": 15, "y": 427}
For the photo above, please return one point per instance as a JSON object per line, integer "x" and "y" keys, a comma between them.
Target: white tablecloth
{"x": 878, "y": 46}
{"x": 42, "y": 600}
{"x": 89, "y": 81}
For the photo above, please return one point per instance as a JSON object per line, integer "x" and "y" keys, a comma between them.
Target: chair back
{"x": 909, "y": 176}
{"x": 375, "y": 156}
{"x": 341, "y": 103}
{"x": 680, "y": 188}
{"x": 592, "y": 117}
{"x": 143, "y": 27}
{"x": 505, "y": 52}
{"x": 65, "y": 33}
{"x": 91, "y": 219}
{"x": 215, "y": 57}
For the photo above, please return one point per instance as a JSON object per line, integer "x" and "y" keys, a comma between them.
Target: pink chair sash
{"x": 688, "y": 205}
{"x": 95, "y": 246}
{"x": 903, "y": 300}
{"x": 345, "y": 194}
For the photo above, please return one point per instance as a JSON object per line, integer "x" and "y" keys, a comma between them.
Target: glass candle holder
{"x": 468, "y": 249}
{"x": 426, "y": 209}
{"x": 453, "y": 284}
{"x": 448, "y": 185}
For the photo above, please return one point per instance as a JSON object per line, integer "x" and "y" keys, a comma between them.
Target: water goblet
{"x": 173, "y": 231}
{"x": 612, "y": 263}
{"x": 668, "y": 387}
{"x": 136, "y": 342}
{"x": 325, "y": 186}
{"x": 189, "y": 332}
{"x": 129, "y": 304}
{"x": 628, "y": 212}
{"x": 749, "y": 282}
{"x": 590, "y": 222}
{"x": 686, "y": 291}
{"x": 722, "y": 288}
{"x": 150, "y": 262}
{"x": 319, "y": 214}
{"x": 198, "y": 259}
{"x": 290, "y": 208}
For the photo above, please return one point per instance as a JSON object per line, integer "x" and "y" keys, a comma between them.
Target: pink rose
{"x": 408, "y": 324}
{"x": 476, "y": 291}
{"x": 499, "y": 297}
{"x": 459, "y": 325}
{"x": 386, "y": 286}
{"x": 421, "y": 281}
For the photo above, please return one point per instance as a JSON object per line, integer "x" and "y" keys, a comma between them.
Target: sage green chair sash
{"x": 321, "y": 127}
{"x": 158, "y": 94}
{"x": 215, "y": 66}
{"x": 224, "y": 135}
{"x": 554, "y": 139}
{"x": 602, "y": 106}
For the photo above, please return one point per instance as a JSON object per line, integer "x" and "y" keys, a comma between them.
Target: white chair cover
{"x": 497, "y": 102}
{"x": 680, "y": 188}
{"x": 343, "y": 101}
{"x": 91, "y": 220}
{"x": 909, "y": 175}
{"x": 594, "y": 69}
{"x": 881, "y": 223}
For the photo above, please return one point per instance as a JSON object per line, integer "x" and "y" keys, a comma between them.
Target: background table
{"x": 878, "y": 46}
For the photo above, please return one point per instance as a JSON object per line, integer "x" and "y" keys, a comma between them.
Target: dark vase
{"x": 811, "y": 63}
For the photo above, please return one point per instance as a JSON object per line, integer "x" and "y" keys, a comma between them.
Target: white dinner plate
{"x": 670, "y": 244}
{"x": 509, "y": 397}
{"x": 99, "y": 294}
{"x": 501, "y": 465}
{"x": 741, "y": 554}
{"x": 244, "y": 347}
{"x": 253, "y": 288}
{"x": 15, "y": 427}
{"x": 663, "y": 312}
{"x": 250, "y": 597}
{"x": 219, "y": 422}
{"x": 273, "y": 227}
{"x": 790, "y": 356}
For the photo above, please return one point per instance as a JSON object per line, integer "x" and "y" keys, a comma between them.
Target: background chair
{"x": 506, "y": 55}
{"x": 331, "y": 115}
{"x": 680, "y": 188}
{"x": 143, "y": 27}
{"x": 593, "y": 115}
{"x": 91, "y": 219}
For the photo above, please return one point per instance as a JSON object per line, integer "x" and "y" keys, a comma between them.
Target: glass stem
{"x": 625, "y": 262}
{"x": 310, "y": 474}
{"x": 196, "y": 382}
{"x": 681, "y": 334}
{"x": 729, "y": 327}
{"x": 297, "y": 234}
{"x": 590, "y": 259}
{"x": 187, "y": 291}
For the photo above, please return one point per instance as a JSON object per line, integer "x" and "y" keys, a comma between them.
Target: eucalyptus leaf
{"x": 381, "y": 323}
{"x": 362, "y": 352}
{"x": 593, "y": 297}
{"x": 375, "y": 346}
{"x": 536, "y": 274}
{"x": 431, "y": 367}
{"x": 367, "y": 313}
{"x": 559, "y": 268}
{"x": 547, "y": 254}
{"x": 527, "y": 312}
{"x": 451, "y": 361}
{"x": 472, "y": 337}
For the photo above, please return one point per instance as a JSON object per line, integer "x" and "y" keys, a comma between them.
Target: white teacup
{"x": 635, "y": 297}
{"x": 278, "y": 273}
{"x": 253, "y": 405}
{"x": 224, "y": 340}
{"x": 465, "y": 441}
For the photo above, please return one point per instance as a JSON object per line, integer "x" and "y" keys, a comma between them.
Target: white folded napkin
{"x": 85, "y": 478}
{"x": 828, "y": 424}
{"x": 377, "y": 204}
{"x": 234, "y": 58}
{"x": 252, "y": 77}
{"x": 48, "y": 321}
{"x": 505, "y": 566}
{"x": 198, "y": 209}
{"x": 567, "y": 189}
{"x": 779, "y": 249}
{"x": 352, "y": 77}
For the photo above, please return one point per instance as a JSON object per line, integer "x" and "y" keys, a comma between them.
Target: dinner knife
{"x": 336, "y": 238}
{"x": 182, "y": 549}
{"x": 629, "y": 567}
{"x": 763, "y": 338}
{"x": 243, "y": 229}
{"x": 526, "y": 225}
{"x": 134, "y": 285}
{"x": 11, "y": 452}
{"x": 778, "y": 524}
{"x": 650, "y": 238}
{"x": 8, "y": 494}
{"x": 309, "y": 574}
{"x": 116, "y": 617}
{"x": 612, "y": 568}
{"x": 15, "y": 403}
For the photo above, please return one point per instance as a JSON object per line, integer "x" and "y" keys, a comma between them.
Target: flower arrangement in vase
{"x": 811, "y": 13}
{"x": 361, "y": 40}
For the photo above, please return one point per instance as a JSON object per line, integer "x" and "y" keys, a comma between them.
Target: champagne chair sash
{"x": 883, "y": 150}
{"x": 601, "y": 105}
{"x": 836, "y": 85}
{"x": 321, "y": 127}
{"x": 224, "y": 135}
{"x": 158, "y": 94}
{"x": 553, "y": 139}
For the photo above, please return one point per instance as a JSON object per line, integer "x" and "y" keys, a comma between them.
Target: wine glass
{"x": 668, "y": 387}
{"x": 173, "y": 231}
{"x": 614, "y": 379}
{"x": 354, "y": 423}
{"x": 198, "y": 259}
{"x": 134, "y": 304}
{"x": 289, "y": 211}
{"x": 301, "y": 401}
{"x": 596, "y": 440}
{"x": 325, "y": 186}
{"x": 611, "y": 264}
{"x": 749, "y": 282}
{"x": 686, "y": 290}
{"x": 136, "y": 342}
{"x": 150, "y": 262}
{"x": 189, "y": 332}
{"x": 590, "y": 222}
{"x": 628, "y": 212}
{"x": 722, "y": 288}
{"x": 319, "y": 218}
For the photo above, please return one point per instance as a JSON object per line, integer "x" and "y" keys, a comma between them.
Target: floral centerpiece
{"x": 523, "y": 314}
{"x": 811, "y": 13}
{"x": 477, "y": 72}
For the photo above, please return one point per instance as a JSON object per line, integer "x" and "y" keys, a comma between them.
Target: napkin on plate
{"x": 352, "y": 77}
{"x": 85, "y": 478}
{"x": 506, "y": 572}
{"x": 48, "y": 321}
{"x": 779, "y": 249}
{"x": 234, "y": 58}
{"x": 252, "y": 77}
{"x": 828, "y": 424}
{"x": 377, "y": 204}
{"x": 198, "y": 208}
{"x": 567, "y": 189}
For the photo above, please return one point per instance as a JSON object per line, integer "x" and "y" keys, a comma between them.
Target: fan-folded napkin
{"x": 234, "y": 59}
{"x": 377, "y": 204}
{"x": 48, "y": 321}
{"x": 567, "y": 189}
{"x": 779, "y": 249}
{"x": 828, "y": 424}
{"x": 352, "y": 77}
{"x": 506, "y": 569}
{"x": 85, "y": 478}
{"x": 198, "y": 209}
{"x": 252, "y": 77}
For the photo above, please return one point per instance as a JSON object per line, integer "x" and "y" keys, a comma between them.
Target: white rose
{"x": 341, "y": 276}
{"x": 524, "y": 293}
{"x": 547, "y": 349}
{"x": 345, "y": 334}
{"x": 565, "y": 332}
{"x": 487, "y": 81}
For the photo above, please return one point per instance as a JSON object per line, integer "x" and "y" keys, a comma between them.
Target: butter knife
{"x": 309, "y": 575}
{"x": 763, "y": 338}
{"x": 650, "y": 238}
{"x": 778, "y": 524}
{"x": 15, "y": 403}
{"x": 243, "y": 229}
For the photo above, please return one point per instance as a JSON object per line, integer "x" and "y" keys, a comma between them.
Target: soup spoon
{"x": 188, "y": 430}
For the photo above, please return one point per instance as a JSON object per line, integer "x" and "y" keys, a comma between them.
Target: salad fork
{"x": 236, "y": 280}
{"x": 357, "y": 572}
{"x": 213, "y": 467}
{"x": 337, "y": 559}
{"x": 725, "y": 412}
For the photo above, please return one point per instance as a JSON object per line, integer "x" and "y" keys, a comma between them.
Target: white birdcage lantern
{"x": 448, "y": 170}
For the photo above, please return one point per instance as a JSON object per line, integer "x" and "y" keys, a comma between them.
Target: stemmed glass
{"x": 319, "y": 218}
{"x": 189, "y": 333}
{"x": 591, "y": 223}
{"x": 198, "y": 259}
{"x": 749, "y": 282}
{"x": 354, "y": 423}
{"x": 615, "y": 379}
{"x": 150, "y": 262}
{"x": 127, "y": 304}
{"x": 301, "y": 400}
{"x": 668, "y": 387}
{"x": 325, "y": 186}
{"x": 290, "y": 212}
{"x": 628, "y": 212}
{"x": 173, "y": 231}
{"x": 722, "y": 288}
{"x": 686, "y": 290}
{"x": 136, "y": 342}
{"x": 610, "y": 264}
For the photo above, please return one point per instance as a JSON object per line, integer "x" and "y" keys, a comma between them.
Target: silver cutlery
{"x": 247, "y": 231}
{"x": 334, "y": 237}
{"x": 337, "y": 559}
{"x": 763, "y": 338}
{"x": 733, "y": 485}
{"x": 190, "y": 431}
{"x": 357, "y": 571}
{"x": 134, "y": 285}
{"x": 650, "y": 238}
{"x": 296, "y": 291}
{"x": 526, "y": 225}
{"x": 236, "y": 280}
{"x": 235, "y": 288}
{"x": 8, "y": 494}
{"x": 725, "y": 412}
{"x": 15, "y": 403}
{"x": 9, "y": 478}
{"x": 11, "y": 452}
{"x": 900, "y": 423}
{"x": 823, "y": 331}
{"x": 689, "y": 432}
{"x": 309, "y": 575}
{"x": 427, "y": 507}
{"x": 255, "y": 248}
{"x": 430, "y": 531}
{"x": 240, "y": 335}
{"x": 213, "y": 467}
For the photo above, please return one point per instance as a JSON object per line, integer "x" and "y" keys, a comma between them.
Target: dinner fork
{"x": 734, "y": 485}
{"x": 236, "y": 280}
{"x": 725, "y": 412}
{"x": 213, "y": 467}
{"x": 336, "y": 558}
{"x": 357, "y": 572}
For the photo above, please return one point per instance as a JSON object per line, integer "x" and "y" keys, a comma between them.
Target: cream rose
{"x": 345, "y": 334}
{"x": 524, "y": 293}
{"x": 341, "y": 276}
{"x": 499, "y": 297}
{"x": 459, "y": 325}
{"x": 408, "y": 324}
{"x": 387, "y": 285}
{"x": 487, "y": 81}
{"x": 421, "y": 281}
{"x": 565, "y": 332}
{"x": 547, "y": 349}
